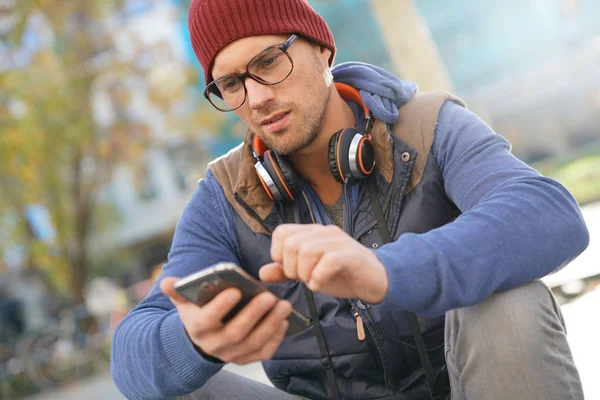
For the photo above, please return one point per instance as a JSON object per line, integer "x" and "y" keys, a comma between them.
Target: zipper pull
{"x": 360, "y": 327}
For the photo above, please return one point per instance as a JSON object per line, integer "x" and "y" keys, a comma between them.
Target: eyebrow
{"x": 243, "y": 69}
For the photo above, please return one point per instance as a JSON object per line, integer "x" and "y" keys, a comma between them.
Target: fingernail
{"x": 312, "y": 285}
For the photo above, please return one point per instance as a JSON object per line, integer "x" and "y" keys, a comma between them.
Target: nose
{"x": 258, "y": 94}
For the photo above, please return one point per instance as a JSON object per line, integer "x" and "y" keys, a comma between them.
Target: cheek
{"x": 244, "y": 114}
{"x": 304, "y": 79}
{"x": 303, "y": 90}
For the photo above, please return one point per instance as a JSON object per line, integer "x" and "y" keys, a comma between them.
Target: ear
{"x": 325, "y": 54}
{"x": 322, "y": 53}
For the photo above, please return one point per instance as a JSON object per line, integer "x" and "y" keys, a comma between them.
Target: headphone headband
{"x": 351, "y": 94}
{"x": 258, "y": 148}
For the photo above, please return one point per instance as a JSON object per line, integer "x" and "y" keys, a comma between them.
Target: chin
{"x": 284, "y": 150}
{"x": 287, "y": 141}
{"x": 296, "y": 147}
{"x": 279, "y": 142}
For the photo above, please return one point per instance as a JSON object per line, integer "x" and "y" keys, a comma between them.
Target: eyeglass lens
{"x": 269, "y": 67}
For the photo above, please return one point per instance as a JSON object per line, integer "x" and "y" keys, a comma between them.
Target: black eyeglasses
{"x": 271, "y": 66}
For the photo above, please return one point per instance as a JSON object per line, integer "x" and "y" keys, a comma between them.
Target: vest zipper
{"x": 360, "y": 326}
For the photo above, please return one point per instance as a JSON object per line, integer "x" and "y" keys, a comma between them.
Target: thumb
{"x": 272, "y": 273}
{"x": 167, "y": 286}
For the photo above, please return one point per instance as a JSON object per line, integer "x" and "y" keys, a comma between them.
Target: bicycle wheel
{"x": 49, "y": 359}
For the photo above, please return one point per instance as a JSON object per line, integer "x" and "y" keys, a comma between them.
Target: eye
{"x": 269, "y": 62}
{"x": 229, "y": 84}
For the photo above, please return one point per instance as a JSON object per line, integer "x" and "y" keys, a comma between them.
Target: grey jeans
{"x": 511, "y": 346}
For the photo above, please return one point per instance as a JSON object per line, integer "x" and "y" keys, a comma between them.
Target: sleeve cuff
{"x": 188, "y": 363}
{"x": 409, "y": 285}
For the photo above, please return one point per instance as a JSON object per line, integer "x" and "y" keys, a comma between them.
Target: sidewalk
{"x": 97, "y": 388}
{"x": 583, "y": 331}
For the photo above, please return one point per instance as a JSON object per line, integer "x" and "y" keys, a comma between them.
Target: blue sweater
{"x": 516, "y": 226}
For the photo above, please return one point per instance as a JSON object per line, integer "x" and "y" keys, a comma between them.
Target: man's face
{"x": 297, "y": 104}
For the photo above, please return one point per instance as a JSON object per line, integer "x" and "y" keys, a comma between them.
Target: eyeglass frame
{"x": 284, "y": 47}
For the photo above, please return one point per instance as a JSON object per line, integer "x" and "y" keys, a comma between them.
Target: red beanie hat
{"x": 215, "y": 23}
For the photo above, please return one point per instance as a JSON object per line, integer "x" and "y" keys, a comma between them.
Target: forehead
{"x": 235, "y": 56}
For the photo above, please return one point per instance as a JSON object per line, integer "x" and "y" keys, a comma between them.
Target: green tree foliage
{"x": 53, "y": 149}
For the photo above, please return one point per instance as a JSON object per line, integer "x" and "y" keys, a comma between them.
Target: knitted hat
{"x": 215, "y": 23}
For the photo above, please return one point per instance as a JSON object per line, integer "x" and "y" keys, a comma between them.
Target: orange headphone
{"x": 351, "y": 157}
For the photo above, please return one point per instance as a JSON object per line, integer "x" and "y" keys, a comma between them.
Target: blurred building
{"x": 486, "y": 42}
{"x": 531, "y": 67}
{"x": 550, "y": 109}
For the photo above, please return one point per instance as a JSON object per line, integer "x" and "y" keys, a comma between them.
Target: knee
{"x": 509, "y": 325}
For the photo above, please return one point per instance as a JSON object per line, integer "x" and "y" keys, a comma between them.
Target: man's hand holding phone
{"x": 253, "y": 334}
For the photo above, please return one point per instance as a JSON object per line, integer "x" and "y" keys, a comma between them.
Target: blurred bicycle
{"x": 71, "y": 346}
{"x": 64, "y": 350}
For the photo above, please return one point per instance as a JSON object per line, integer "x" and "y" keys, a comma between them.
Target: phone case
{"x": 203, "y": 286}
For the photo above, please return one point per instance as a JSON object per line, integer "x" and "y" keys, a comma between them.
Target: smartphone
{"x": 201, "y": 287}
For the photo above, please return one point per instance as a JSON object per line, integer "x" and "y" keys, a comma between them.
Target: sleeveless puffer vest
{"x": 410, "y": 189}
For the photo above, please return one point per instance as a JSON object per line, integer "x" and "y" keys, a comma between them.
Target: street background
{"x": 104, "y": 133}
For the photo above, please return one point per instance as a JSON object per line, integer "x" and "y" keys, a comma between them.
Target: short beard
{"x": 312, "y": 134}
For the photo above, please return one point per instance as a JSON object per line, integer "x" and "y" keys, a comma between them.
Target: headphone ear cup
{"x": 268, "y": 163}
{"x": 265, "y": 179}
{"x": 289, "y": 175}
{"x": 339, "y": 155}
{"x": 332, "y": 158}
{"x": 284, "y": 179}
{"x": 364, "y": 159}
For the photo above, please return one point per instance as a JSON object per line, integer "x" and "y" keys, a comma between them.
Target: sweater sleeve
{"x": 516, "y": 225}
{"x": 152, "y": 356}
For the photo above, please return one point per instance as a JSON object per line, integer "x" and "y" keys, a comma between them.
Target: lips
{"x": 273, "y": 118}
{"x": 276, "y": 123}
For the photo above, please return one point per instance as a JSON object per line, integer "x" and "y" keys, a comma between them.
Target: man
{"x": 335, "y": 166}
